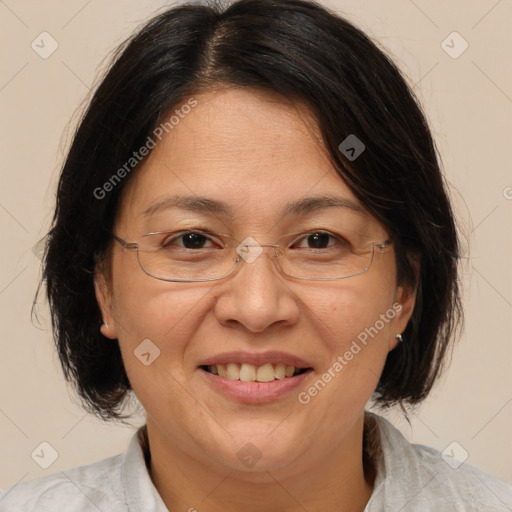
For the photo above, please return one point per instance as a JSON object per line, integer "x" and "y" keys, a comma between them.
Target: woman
{"x": 252, "y": 235}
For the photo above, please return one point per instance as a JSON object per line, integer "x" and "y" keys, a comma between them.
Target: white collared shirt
{"x": 409, "y": 478}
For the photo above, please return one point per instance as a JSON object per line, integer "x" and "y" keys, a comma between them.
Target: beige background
{"x": 469, "y": 103}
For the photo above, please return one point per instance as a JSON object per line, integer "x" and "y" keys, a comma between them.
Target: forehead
{"x": 255, "y": 153}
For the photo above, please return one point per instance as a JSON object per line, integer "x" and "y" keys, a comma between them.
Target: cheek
{"x": 356, "y": 348}
{"x": 343, "y": 312}
{"x": 154, "y": 317}
{"x": 158, "y": 326}
{"x": 355, "y": 324}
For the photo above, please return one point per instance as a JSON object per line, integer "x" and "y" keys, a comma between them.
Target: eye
{"x": 189, "y": 240}
{"x": 319, "y": 240}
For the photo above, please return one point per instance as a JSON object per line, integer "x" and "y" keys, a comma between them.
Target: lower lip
{"x": 255, "y": 392}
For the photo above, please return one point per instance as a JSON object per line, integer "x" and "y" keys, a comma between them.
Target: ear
{"x": 404, "y": 302}
{"x": 103, "y": 291}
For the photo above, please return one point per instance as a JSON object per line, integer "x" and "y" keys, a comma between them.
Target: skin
{"x": 255, "y": 152}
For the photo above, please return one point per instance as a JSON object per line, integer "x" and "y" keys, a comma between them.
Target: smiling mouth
{"x": 251, "y": 373}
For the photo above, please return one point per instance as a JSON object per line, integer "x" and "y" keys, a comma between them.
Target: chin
{"x": 251, "y": 456}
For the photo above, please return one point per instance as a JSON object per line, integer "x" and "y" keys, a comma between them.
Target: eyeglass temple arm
{"x": 127, "y": 245}
{"x": 383, "y": 245}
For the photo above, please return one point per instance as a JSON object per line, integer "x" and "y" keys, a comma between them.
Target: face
{"x": 255, "y": 154}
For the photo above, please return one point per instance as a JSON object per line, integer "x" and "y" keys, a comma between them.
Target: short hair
{"x": 299, "y": 50}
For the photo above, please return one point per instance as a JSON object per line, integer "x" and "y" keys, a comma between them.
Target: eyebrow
{"x": 207, "y": 205}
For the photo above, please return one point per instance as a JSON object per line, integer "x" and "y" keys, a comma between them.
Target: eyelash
{"x": 180, "y": 234}
{"x": 300, "y": 236}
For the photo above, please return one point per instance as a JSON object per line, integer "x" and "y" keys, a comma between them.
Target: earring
{"x": 399, "y": 337}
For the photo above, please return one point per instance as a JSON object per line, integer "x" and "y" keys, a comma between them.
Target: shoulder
{"x": 461, "y": 483}
{"x": 89, "y": 487}
{"x": 421, "y": 478}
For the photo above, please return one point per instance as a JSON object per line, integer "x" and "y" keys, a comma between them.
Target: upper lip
{"x": 256, "y": 359}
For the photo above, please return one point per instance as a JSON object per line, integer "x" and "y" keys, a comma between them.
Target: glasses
{"x": 196, "y": 255}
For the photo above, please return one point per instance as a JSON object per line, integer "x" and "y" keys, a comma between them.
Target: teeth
{"x": 265, "y": 373}
{"x": 280, "y": 371}
{"x": 233, "y": 371}
{"x": 250, "y": 373}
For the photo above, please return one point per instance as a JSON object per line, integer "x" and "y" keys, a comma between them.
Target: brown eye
{"x": 189, "y": 240}
{"x": 318, "y": 240}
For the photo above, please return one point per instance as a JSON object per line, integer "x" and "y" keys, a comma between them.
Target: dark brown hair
{"x": 295, "y": 48}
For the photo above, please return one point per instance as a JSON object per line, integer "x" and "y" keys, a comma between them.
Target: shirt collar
{"x": 399, "y": 475}
{"x": 140, "y": 493}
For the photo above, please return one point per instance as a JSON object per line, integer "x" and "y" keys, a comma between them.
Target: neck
{"x": 343, "y": 481}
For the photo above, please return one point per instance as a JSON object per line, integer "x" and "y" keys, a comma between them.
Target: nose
{"x": 256, "y": 296}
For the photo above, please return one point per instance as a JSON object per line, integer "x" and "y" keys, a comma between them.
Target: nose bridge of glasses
{"x": 249, "y": 250}
{"x": 257, "y": 245}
